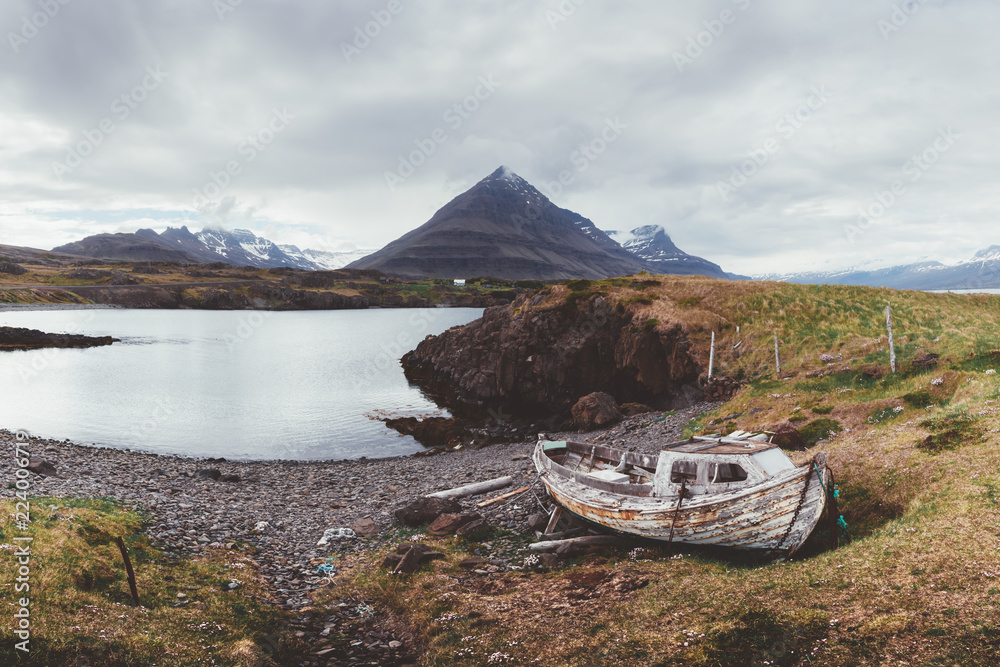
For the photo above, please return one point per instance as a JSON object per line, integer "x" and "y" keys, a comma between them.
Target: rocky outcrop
{"x": 537, "y": 356}
{"x": 16, "y": 338}
{"x": 12, "y": 269}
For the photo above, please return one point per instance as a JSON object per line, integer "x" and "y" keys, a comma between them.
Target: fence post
{"x": 777, "y": 359}
{"x": 711, "y": 357}
{"x": 892, "y": 344}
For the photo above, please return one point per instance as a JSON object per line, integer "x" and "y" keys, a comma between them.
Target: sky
{"x": 767, "y": 137}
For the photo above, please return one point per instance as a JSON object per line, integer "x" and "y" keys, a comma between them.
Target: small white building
{"x": 459, "y": 282}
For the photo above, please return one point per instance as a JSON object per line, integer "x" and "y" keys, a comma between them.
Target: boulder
{"x": 41, "y": 467}
{"x": 547, "y": 560}
{"x": 595, "y": 411}
{"x": 788, "y": 437}
{"x": 447, "y": 524}
{"x": 424, "y": 510}
{"x": 473, "y": 528}
{"x": 365, "y": 527}
{"x": 538, "y": 521}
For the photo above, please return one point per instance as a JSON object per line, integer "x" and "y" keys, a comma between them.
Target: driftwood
{"x": 474, "y": 489}
{"x": 585, "y": 541}
{"x": 493, "y": 501}
{"x": 561, "y": 535}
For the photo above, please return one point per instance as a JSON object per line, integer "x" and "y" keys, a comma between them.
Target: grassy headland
{"x": 916, "y": 456}
{"x": 218, "y": 285}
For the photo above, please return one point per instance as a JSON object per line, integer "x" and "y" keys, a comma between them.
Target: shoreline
{"x": 191, "y": 514}
{"x": 7, "y": 307}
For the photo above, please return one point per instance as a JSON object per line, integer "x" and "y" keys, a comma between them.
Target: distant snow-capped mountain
{"x": 658, "y": 253}
{"x": 239, "y": 246}
{"x": 982, "y": 271}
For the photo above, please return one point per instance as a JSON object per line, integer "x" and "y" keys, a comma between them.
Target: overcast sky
{"x": 753, "y": 131}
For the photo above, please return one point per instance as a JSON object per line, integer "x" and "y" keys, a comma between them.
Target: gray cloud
{"x": 701, "y": 87}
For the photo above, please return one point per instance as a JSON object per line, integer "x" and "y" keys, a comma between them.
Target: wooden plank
{"x": 474, "y": 489}
{"x": 493, "y": 501}
{"x": 553, "y": 520}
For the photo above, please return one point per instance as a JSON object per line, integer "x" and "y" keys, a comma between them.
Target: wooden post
{"x": 554, "y": 519}
{"x": 833, "y": 516}
{"x": 711, "y": 357}
{"x": 777, "y": 359}
{"x": 128, "y": 570}
{"x": 892, "y": 344}
{"x": 677, "y": 510}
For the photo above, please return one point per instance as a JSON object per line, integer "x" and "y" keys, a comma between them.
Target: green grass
{"x": 82, "y": 610}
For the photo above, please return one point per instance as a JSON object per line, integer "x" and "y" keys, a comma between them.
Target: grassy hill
{"x": 916, "y": 455}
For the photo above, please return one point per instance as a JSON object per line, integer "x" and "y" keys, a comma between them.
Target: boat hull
{"x": 777, "y": 515}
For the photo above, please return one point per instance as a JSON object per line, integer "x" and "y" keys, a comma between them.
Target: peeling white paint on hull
{"x": 776, "y": 512}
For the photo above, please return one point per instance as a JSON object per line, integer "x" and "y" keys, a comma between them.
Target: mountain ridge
{"x": 240, "y": 247}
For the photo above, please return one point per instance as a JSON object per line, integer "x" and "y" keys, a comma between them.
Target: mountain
{"x": 126, "y": 247}
{"x": 240, "y": 247}
{"x": 503, "y": 227}
{"x": 982, "y": 271}
{"x": 11, "y": 253}
{"x": 659, "y": 254}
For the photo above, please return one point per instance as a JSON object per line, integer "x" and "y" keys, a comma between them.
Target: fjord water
{"x": 234, "y": 384}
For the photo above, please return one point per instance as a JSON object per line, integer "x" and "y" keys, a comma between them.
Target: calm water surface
{"x": 240, "y": 385}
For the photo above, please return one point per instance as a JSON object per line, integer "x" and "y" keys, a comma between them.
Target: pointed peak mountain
{"x": 503, "y": 173}
{"x": 505, "y": 228}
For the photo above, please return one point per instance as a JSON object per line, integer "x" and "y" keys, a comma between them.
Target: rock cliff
{"x": 537, "y": 356}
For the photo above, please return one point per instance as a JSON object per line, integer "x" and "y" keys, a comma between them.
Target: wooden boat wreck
{"x": 738, "y": 491}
